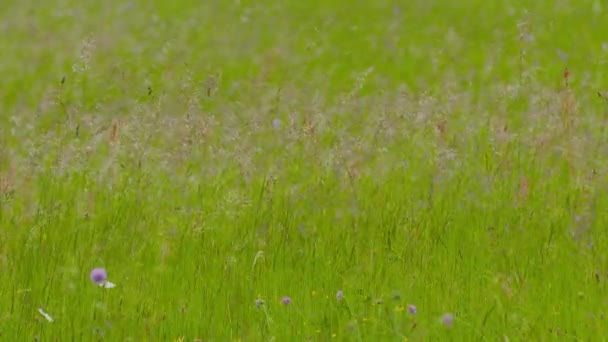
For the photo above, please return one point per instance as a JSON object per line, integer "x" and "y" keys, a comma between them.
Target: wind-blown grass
{"x": 304, "y": 171}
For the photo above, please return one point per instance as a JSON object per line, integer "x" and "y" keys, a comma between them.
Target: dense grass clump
{"x": 314, "y": 170}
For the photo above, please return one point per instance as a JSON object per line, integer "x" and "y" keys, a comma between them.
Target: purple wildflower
{"x": 286, "y": 300}
{"x": 412, "y": 309}
{"x": 339, "y": 295}
{"x": 276, "y": 123}
{"x": 99, "y": 276}
{"x": 448, "y": 320}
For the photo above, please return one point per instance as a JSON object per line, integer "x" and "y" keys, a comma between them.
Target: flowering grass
{"x": 354, "y": 171}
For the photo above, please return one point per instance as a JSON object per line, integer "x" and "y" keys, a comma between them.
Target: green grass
{"x": 208, "y": 155}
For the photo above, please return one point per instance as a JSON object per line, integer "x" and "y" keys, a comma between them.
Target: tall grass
{"x": 216, "y": 158}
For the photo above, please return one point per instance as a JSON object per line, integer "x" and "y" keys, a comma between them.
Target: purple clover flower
{"x": 286, "y": 300}
{"x": 447, "y": 320}
{"x": 276, "y": 123}
{"x": 412, "y": 309}
{"x": 99, "y": 276}
{"x": 339, "y": 295}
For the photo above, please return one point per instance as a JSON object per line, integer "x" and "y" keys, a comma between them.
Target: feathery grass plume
{"x": 114, "y": 134}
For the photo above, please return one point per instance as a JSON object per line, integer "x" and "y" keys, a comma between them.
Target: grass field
{"x": 304, "y": 171}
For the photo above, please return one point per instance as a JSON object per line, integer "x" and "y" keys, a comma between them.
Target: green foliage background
{"x": 208, "y": 154}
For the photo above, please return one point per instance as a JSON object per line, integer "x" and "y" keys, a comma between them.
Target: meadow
{"x": 303, "y": 171}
